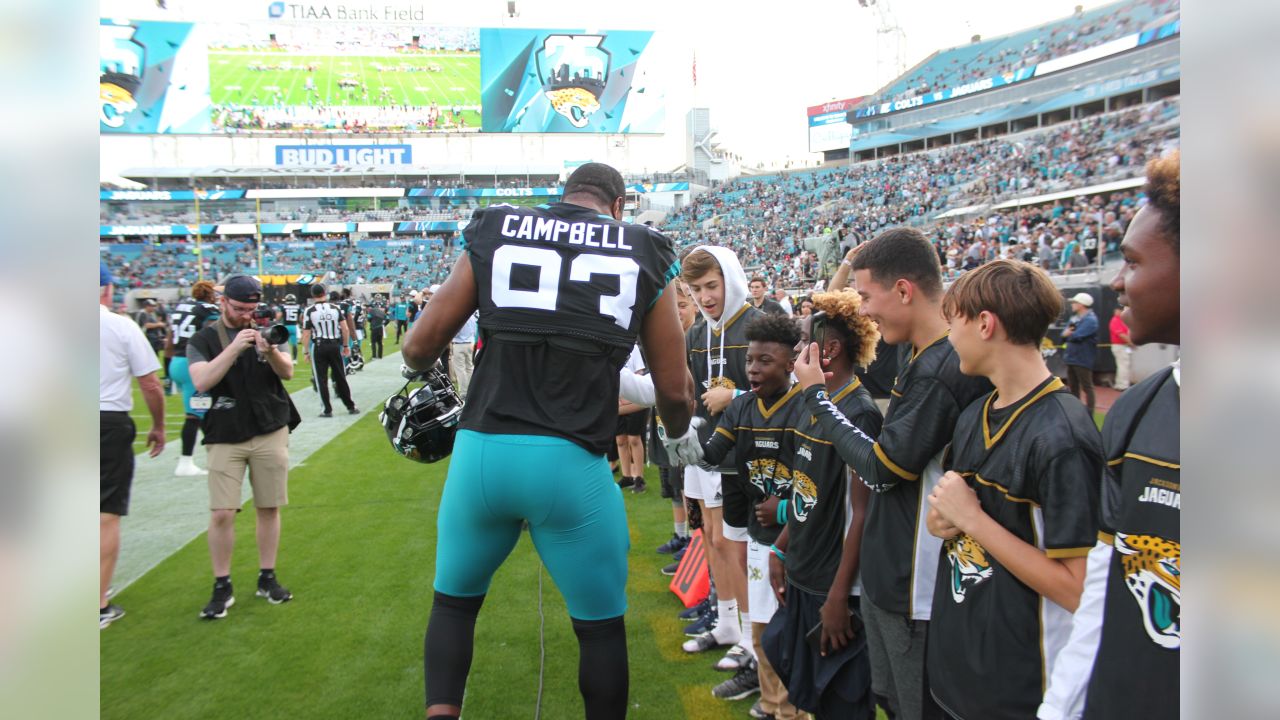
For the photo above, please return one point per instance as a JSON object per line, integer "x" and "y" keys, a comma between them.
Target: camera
{"x": 263, "y": 312}
{"x": 276, "y": 335}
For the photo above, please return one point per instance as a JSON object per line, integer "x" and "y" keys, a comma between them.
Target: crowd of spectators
{"x": 991, "y": 58}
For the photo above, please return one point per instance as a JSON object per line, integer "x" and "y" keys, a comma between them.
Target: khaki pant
{"x": 773, "y": 694}
{"x": 266, "y": 457}
{"x": 1124, "y": 362}
{"x": 460, "y": 364}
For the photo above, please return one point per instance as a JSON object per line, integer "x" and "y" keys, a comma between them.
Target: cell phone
{"x": 814, "y": 636}
{"x": 814, "y": 328}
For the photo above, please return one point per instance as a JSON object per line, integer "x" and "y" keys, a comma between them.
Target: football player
{"x": 288, "y": 313}
{"x": 1122, "y": 659}
{"x": 1017, "y": 507}
{"x": 563, "y": 292}
{"x": 187, "y": 318}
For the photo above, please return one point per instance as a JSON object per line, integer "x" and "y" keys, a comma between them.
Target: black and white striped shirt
{"x": 324, "y": 321}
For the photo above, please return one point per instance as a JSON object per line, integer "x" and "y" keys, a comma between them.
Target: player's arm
{"x": 439, "y": 321}
{"x": 777, "y": 568}
{"x": 837, "y": 630}
{"x": 663, "y": 343}
{"x": 304, "y": 337}
{"x": 722, "y": 440}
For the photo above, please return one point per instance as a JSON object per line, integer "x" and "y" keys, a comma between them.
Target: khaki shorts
{"x": 266, "y": 456}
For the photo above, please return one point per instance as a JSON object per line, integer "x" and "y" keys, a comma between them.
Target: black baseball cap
{"x": 243, "y": 288}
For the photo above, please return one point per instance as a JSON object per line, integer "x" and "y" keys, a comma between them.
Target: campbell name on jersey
{"x": 562, "y": 293}
{"x": 1034, "y": 465}
{"x": 757, "y": 438}
{"x": 899, "y": 556}
{"x": 1135, "y": 673}
{"x": 819, "y": 513}
{"x": 718, "y": 358}
{"x": 186, "y": 318}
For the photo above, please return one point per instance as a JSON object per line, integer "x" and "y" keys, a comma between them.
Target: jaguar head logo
{"x": 804, "y": 495}
{"x": 766, "y": 474}
{"x": 574, "y": 70}
{"x": 1153, "y": 574}
{"x": 969, "y": 565}
{"x": 121, "y": 63}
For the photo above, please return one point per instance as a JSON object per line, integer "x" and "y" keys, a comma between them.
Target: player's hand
{"x": 717, "y": 399}
{"x": 261, "y": 342}
{"x": 809, "y": 369}
{"x": 955, "y": 501}
{"x": 837, "y": 630}
{"x": 685, "y": 449}
{"x": 939, "y": 526}
{"x": 409, "y": 373}
{"x": 244, "y": 340}
{"x": 767, "y": 512}
{"x": 155, "y": 441}
{"x": 346, "y": 351}
{"x": 777, "y": 578}
{"x": 853, "y": 252}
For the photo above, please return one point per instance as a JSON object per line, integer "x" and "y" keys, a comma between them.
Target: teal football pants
{"x": 575, "y": 513}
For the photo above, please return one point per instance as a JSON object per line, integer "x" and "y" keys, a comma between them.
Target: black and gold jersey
{"x": 900, "y": 557}
{"x": 186, "y": 319}
{"x": 1135, "y": 673}
{"x": 718, "y": 358}
{"x": 758, "y": 439}
{"x": 1034, "y": 466}
{"x": 818, "y": 512}
{"x": 289, "y": 313}
{"x": 562, "y": 293}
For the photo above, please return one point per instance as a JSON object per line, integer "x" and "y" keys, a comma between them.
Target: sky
{"x": 759, "y": 65}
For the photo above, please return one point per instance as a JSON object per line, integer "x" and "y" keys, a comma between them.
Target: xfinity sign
{"x": 343, "y": 155}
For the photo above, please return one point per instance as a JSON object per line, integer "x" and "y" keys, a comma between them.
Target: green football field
{"x": 231, "y": 82}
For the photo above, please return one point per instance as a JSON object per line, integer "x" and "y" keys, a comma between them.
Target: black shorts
{"x": 633, "y": 424}
{"x": 672, "y": 482}
{"x": 837, "y": 685}
{"x": 737, "y": 504}
{"x": 116, "y": 432}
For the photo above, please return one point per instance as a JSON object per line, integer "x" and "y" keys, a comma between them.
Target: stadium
{"x": 309, "y": 151}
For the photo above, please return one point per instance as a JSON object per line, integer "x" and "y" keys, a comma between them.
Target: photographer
{"x": 248, "y": 424}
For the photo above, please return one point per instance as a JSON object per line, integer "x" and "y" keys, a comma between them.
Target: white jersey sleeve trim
{"x": 1064, "y": 699}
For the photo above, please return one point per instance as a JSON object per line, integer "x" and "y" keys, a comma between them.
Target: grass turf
{"x": 358, "y": 552}
{"x": 231, "y": 82}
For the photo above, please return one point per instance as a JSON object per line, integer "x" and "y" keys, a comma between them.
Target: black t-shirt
{"x": 770, "y": 305}
{"x": 1034, "y": 466}
{"x": 377, "y": 318}
{"x": 562, "y": 293}
{"x": 899, "y": 556}
{"x": 759, "y": 440}
{"x": 819, "y": 513}
{"x": 1136, "y": 670}
{"x": 187, "y": 318}
{"x": 249, "y": 401}
{"x": 718, "y": 358}
{"x": 880, "y": 376}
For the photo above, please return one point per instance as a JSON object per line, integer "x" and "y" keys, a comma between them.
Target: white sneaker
{"x": 187, "y": 468}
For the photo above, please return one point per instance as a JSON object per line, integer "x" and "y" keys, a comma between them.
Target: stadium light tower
{"x": 891, "y": 41}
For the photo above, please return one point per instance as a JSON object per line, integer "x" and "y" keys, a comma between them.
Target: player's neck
{"x": 929, "y": 325}
{"x": 1016, "y": 370}
{"x": 841, "y": 375}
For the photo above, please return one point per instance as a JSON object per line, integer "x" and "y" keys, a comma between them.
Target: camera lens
{"x": 276, "y": 335}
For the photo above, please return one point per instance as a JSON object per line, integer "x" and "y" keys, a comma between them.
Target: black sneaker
{"x": 679, "y": 554}
{"x": 704, "y": 624}
{"x": 108, "y": 615}
{"x": 217, "y": 607}
{"x": 326, "y": 413}
{"x": 673, "y": 545}
{"x": 639, "y": 486}
{"x": 626, "y": 482}
{"x": 273, "y": 591}
{"x": 743, "y": 683}
{"x": 353, "y": 410}
{"x": 690, "y": 613}
{"x": 670, "y": 570}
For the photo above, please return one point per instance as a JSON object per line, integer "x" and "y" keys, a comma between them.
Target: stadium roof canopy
{"x": 1091, "y": 190}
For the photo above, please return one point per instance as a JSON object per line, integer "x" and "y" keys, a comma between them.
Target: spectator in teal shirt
{"x": 400, "y": 312}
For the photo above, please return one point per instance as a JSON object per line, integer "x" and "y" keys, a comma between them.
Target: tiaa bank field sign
{"x": 335, "y": 155}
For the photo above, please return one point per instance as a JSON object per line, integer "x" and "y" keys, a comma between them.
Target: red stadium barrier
{"x": 692, "y": 581}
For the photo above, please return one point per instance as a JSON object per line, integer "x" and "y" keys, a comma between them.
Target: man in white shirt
{"x": 124, "y": 354}
{"x": 461, "y": 354}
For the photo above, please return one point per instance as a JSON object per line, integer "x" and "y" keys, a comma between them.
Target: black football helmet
{"x": 421, "y": 424}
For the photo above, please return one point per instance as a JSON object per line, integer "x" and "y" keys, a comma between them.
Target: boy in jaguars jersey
{"x": 814, "y": 564}
{"x": 1017, "y": 508}
{"x": 187, "y": 318}
{"x": 755, "y": 434}
{"x": 1122, "y": 660}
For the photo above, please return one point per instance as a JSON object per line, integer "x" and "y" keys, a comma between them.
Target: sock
{"x": 602, "y": 667}
{"x": 189, "y": 429}
{"x": 682, "y": 529}
{"x": 222, "y": 581}
{"x": 728, "y": 629}
{"x": 448, "y": 647}
{"x": 266, "y": 574}
{"x": 747, "y": 642}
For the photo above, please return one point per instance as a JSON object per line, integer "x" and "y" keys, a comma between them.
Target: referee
{"x": 328, "y": 324}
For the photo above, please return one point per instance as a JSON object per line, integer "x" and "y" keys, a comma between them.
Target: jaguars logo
{"x": 721, "y": 381}
{"x": 804, "y": 495}
{"x": 767, "y": 474}
{"x": 969, "y": 565}
{"x": 1152, "y": 572}
{"x": 122, "y": 61}
{"x": 574, "y": 70}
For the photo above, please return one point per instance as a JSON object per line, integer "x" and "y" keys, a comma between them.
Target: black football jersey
{"x": 718, "y": 358}
{"x": 1135, "y": 673}
{"x": 759, "y": 440}
{"x": 899, "y": 556}
{"x": 1034, "y": 465}
{"x": 290, "y": 312}
{"x": 562, "y": 293}
{"x": 819, "y": 513}
{"x": 187, "y": 318}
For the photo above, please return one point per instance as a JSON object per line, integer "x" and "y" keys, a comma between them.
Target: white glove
{"x": 686, "y": 449}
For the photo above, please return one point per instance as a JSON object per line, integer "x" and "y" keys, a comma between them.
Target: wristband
{"x": 781, "y": 555}
{"x": 782, "y": 512}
